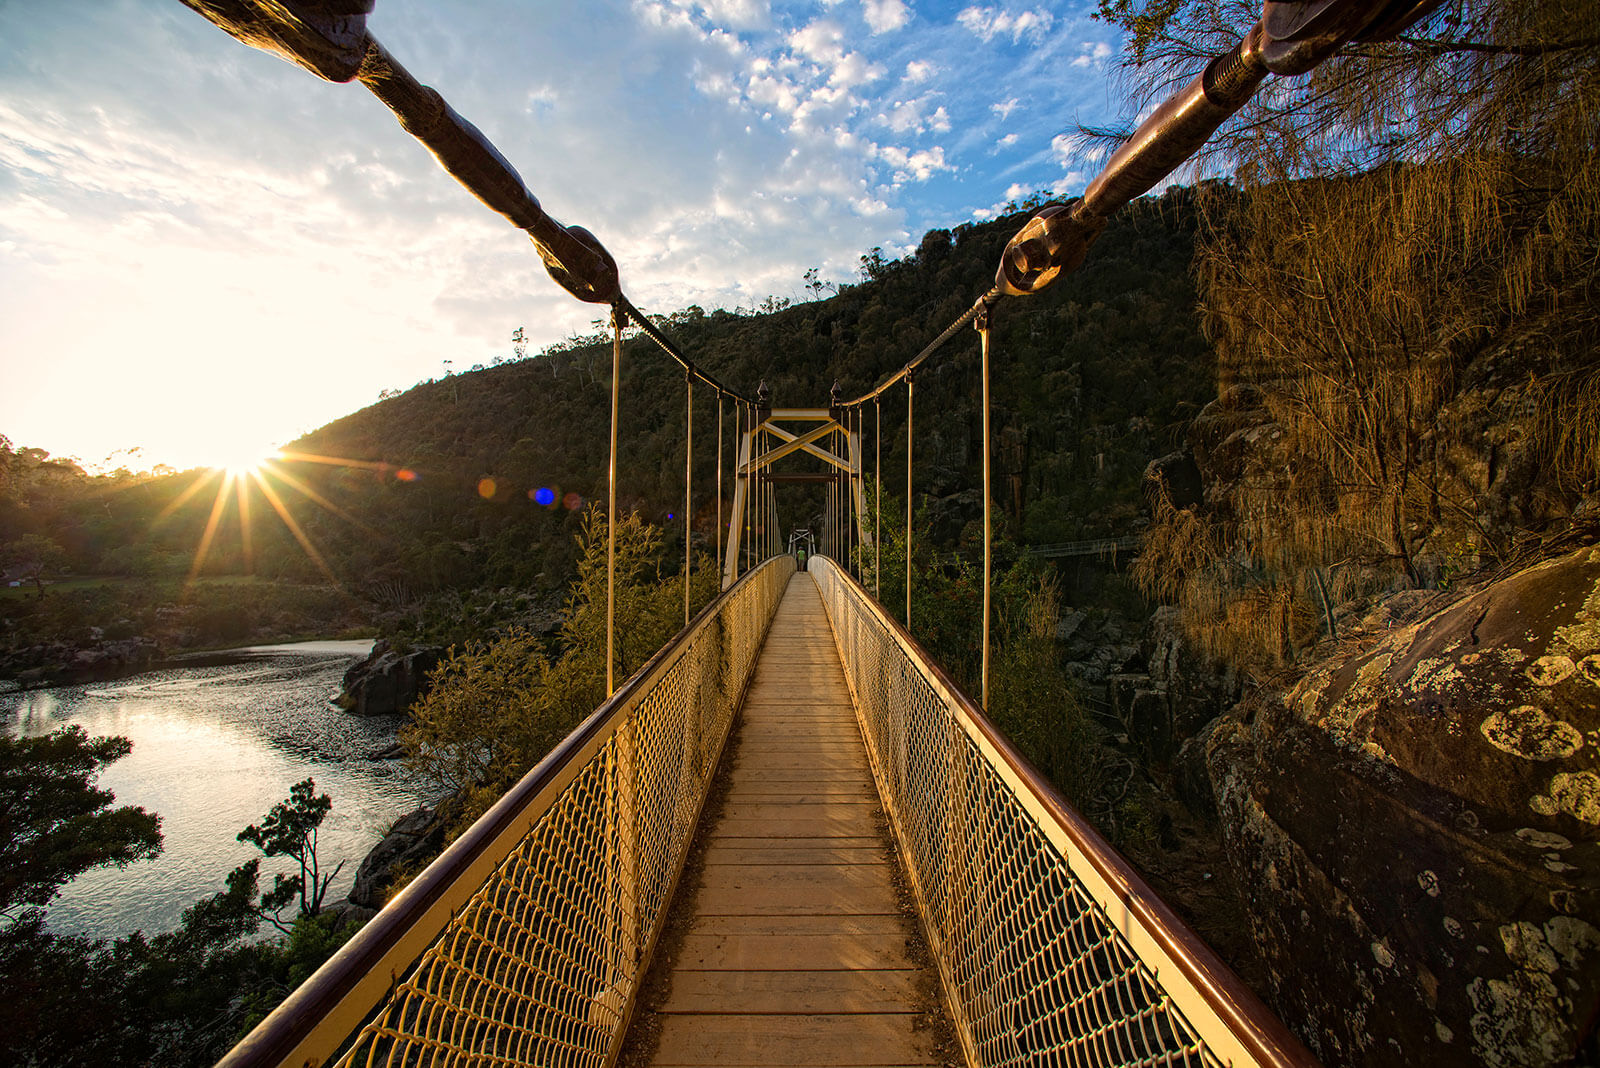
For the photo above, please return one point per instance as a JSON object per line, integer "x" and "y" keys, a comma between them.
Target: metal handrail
{"x": 386, "y": 992}
{"x": 1046, "y": 938}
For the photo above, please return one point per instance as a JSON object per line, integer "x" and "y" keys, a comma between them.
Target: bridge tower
{"x": 770, "y": 440}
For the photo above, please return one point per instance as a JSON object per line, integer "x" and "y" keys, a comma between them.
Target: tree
{"x": 496, "y": 707}
{"x": 31, "y": 556}
{"x": 815, "y": 285}
{"x": 55, "y": 823}
{"x": 290, "y": 830}
{"x": 1415, "y": 220}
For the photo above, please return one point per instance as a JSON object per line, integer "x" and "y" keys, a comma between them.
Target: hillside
{"x": 1090, "y": 382}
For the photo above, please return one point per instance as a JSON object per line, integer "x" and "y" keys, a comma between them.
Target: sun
{"x": 243, "y": 461}
{"x": 263, "y": 475}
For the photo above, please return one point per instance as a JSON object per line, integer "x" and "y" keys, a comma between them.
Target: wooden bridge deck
{"x": 798, "y": 952}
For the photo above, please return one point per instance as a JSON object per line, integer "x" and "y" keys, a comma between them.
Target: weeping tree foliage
{"x": 1402, "y": 284}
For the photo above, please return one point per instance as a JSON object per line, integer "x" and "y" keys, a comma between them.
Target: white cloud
{"x": 1007, "y": 141}
{"x": 920, "y": 70}
{"x": 885, "y": 15}
{"x": 920, "y": 165}
{"x": 745, "y": 14}
{"x": 1092, "y": 52}
{"x": 854, "y": 69}
{"x": 913, "y": 116}
{"x": 990, "y": 22}
{"x": 1005, "y": 107}
{"x": 820, "y": 40}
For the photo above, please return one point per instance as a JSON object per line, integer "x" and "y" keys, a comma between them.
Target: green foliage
{"x": 179, "y": 998}
{"x": 1031, "y": 697}
{"x": 30, "y": 557}
{"x": 496, "y": 707}
{"x": 290, "y": 830}
{"x": 55, "y": 823}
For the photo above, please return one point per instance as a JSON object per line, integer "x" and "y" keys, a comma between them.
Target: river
{"x": 216, "y": 744}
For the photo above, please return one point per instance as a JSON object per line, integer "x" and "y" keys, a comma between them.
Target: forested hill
{"x": 1091, "y": 380}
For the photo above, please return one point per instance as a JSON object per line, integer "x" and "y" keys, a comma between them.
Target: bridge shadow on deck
{"x": 798, "y": 951}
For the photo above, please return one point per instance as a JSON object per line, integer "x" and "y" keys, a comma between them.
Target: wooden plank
{"x": 763, "y": 877}
{"x": 798, "y": 926}
{"x": 800, "y": 773}
{"x": 766, "y": 791}
{"x": 798, "y": 827}
{"x": 776, "y": 733}
{"x": 775, "y": 899}
{"x": 790, "y": 993}
{"x": 779, "y": 766}
{"x": 781, "y": 810}
{"x": 774, "y": 757}
{"x": 781, "y": 851}
{"x": 832, "y": 1039}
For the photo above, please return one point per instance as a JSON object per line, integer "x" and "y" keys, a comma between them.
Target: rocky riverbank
{"x": 71, "y": 663}
{"x": 388, "y": 680}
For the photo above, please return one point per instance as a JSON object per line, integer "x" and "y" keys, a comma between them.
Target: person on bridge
{"x": 800, "y": 556}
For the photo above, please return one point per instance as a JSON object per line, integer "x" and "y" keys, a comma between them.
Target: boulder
{"x": 388, "y": 681}
{"x": 1416, "y": 825}
{"x": 1178, "y": 476}
{"x": 414, "y": 840}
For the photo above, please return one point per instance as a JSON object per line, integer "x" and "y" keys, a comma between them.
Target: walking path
{"x": 797, "y": 952}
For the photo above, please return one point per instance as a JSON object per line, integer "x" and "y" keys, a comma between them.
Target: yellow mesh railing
{"x": 525, "y": 942}
{"x": 1051, "y": 948}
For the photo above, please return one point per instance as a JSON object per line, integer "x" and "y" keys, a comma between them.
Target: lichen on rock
{"x": 1430, "y": 799}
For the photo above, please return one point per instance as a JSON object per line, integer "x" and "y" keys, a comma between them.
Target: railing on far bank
{"x": 1051, "y": 948}
{"x": 525, "y": 942}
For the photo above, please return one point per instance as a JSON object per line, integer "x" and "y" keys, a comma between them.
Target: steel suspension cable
{"x": 932, "y": 347}
{"x": 611, "y": 508}
{"x": 855, "y": 477}
{"x": 910, "y": 396}
{"x": 688, "y": 484}
{"x": 982, "y": 323}
{"x": 719, "y": 486}
{"x": 877, "y": 482}
{"x": 654, "y": 333}
{"x": 751, "y": 487}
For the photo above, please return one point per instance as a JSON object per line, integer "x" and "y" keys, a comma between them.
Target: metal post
{"x": 982, "y": 324}
{"x": 855, "y": 488}
{"x": 755, "y": 487}
{"x": 611, "y": 506}
{"x": 841, "y": 533}
{"x": 877, "y": 519}
{"x": 910, "y": 393}
{"x": 850, "y": 540}
{"x": 719, "y": 485}
{"x": 688, "y": 484}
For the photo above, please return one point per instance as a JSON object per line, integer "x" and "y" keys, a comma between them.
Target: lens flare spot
{"x": 486, "y": 488}
{"x": 572, "y": 502}
{"x": 544, "y": 495}
{"x": 405, "y": 474}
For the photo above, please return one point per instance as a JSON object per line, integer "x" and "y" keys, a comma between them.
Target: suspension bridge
{"x": 846, "y": 762}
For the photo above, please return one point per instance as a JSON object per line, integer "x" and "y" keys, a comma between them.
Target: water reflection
{"x": 214, "y": 747}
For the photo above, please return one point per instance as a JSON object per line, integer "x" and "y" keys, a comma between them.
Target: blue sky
{"x": 205, "y": 251}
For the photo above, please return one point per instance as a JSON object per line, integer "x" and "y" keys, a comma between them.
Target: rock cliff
{"x": 1416, "y": 824}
